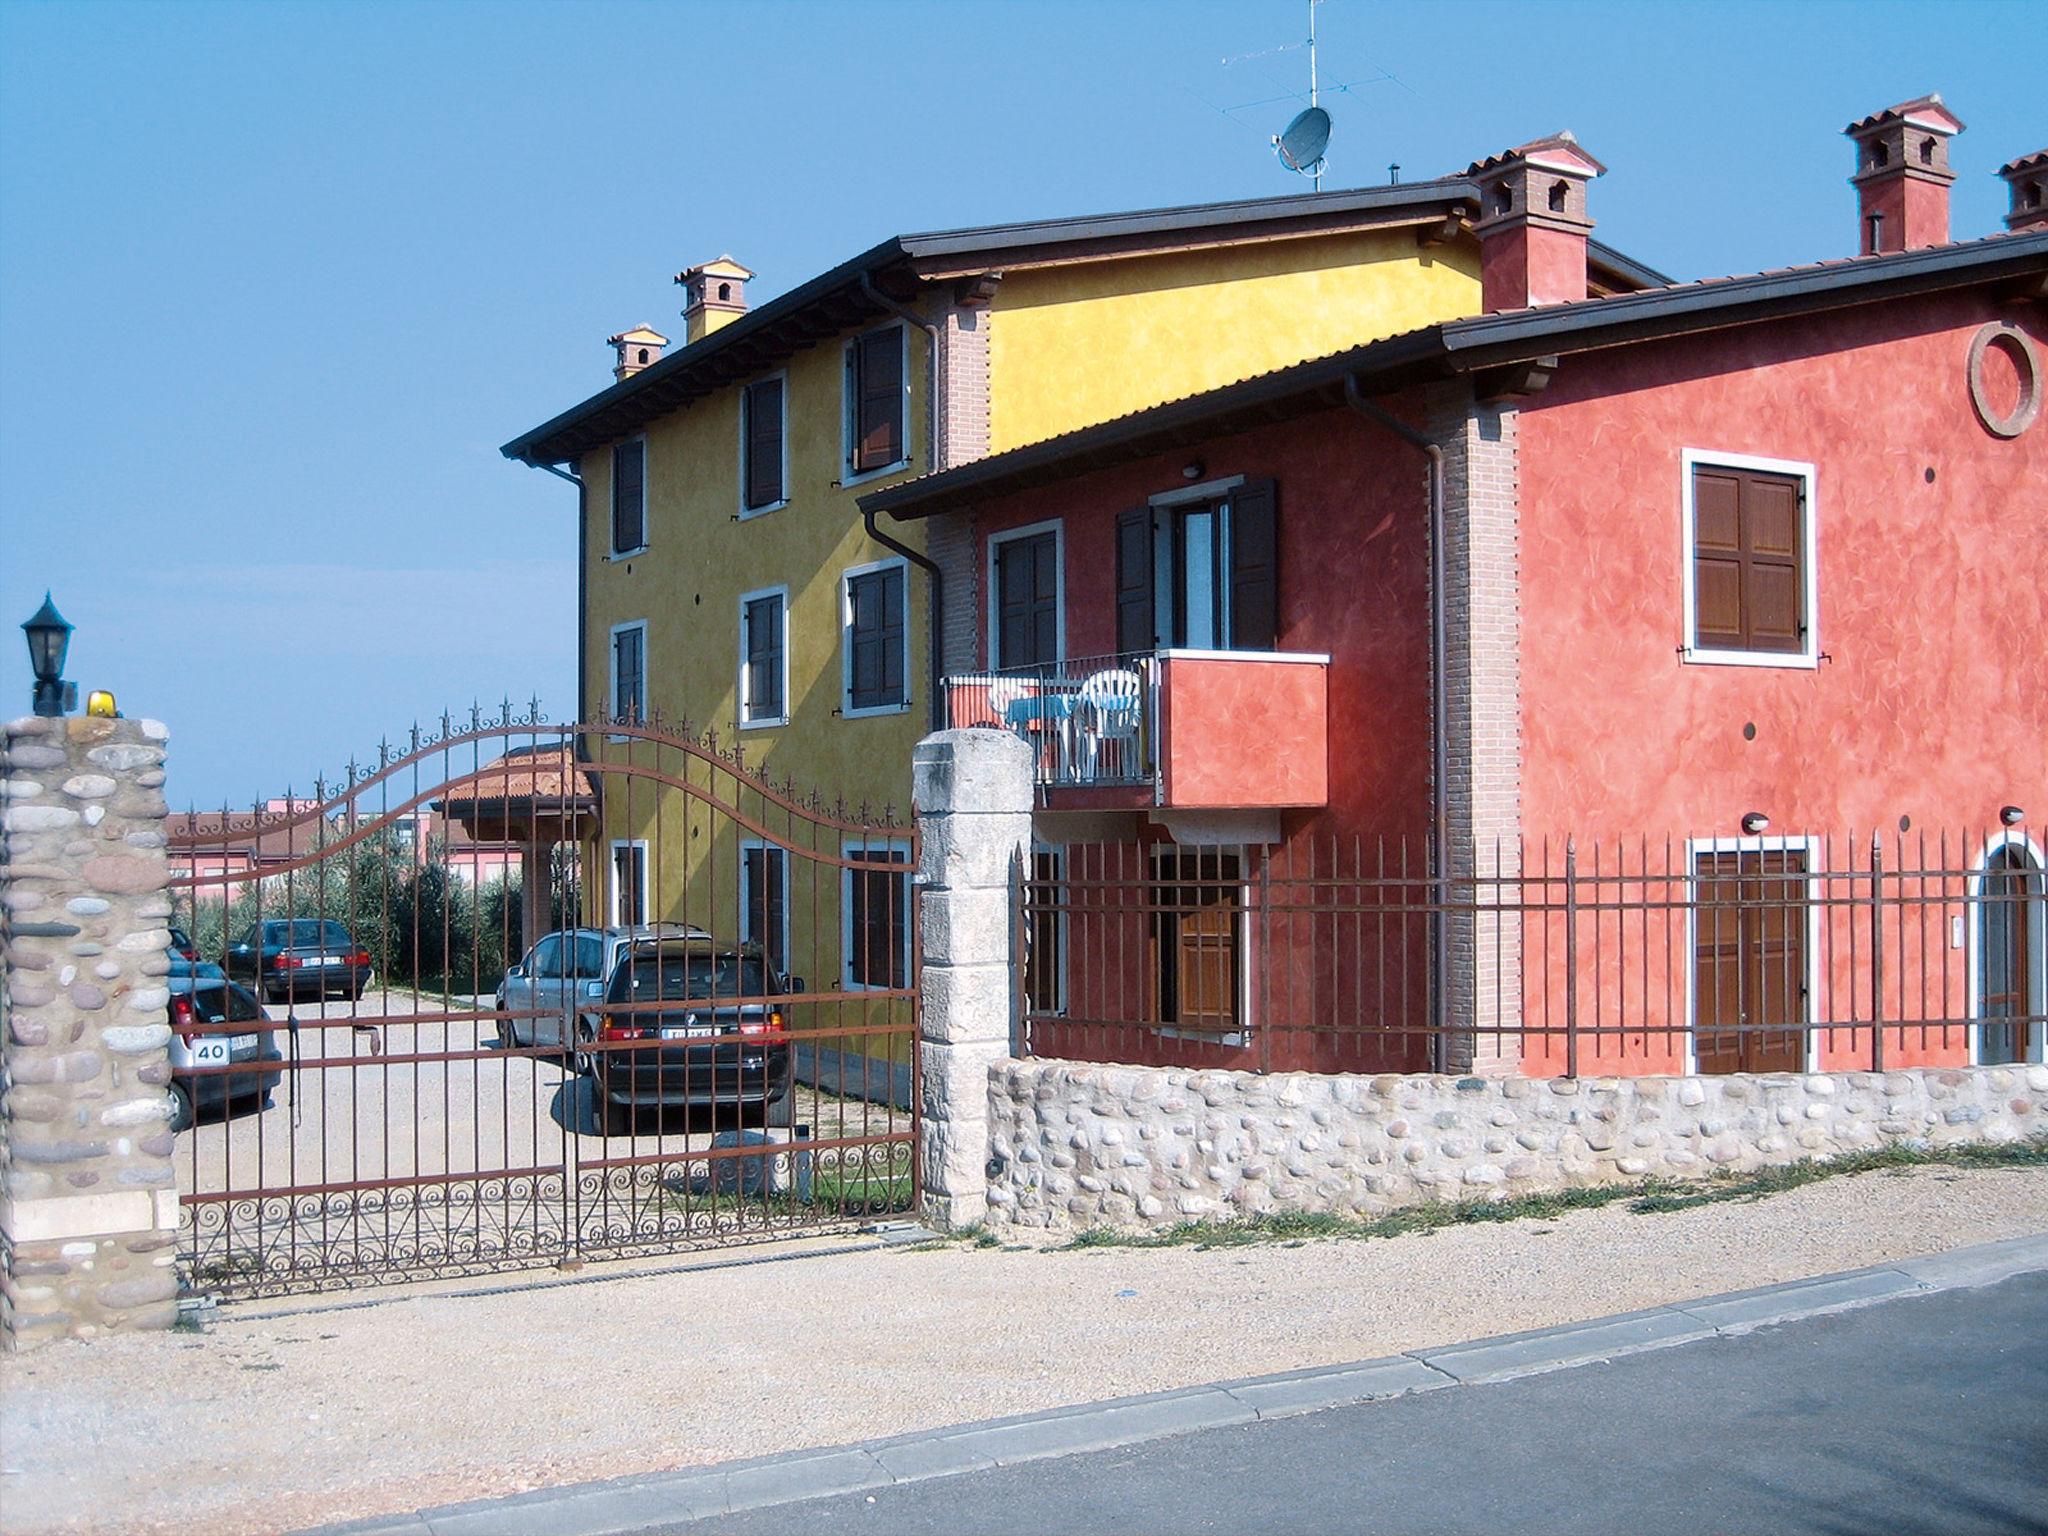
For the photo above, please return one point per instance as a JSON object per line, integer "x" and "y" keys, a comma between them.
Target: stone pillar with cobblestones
{"x": 972, "y": 790}
{"x": 89, "y": 1207}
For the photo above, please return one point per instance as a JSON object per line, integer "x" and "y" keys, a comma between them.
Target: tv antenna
{"x": 1303, "y": 145}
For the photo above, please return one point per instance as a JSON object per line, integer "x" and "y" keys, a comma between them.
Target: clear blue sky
{"x": 276, "y": 280}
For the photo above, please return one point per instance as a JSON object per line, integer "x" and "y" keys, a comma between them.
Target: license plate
{"x": 687, "y": 1031}
{"x": 210, "y": 1053}
{"x": 331, "y": 960}
{"x": 242, "y": 1043}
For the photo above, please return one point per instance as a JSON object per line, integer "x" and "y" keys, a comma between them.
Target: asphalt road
{"x": 1923, "y": 1415}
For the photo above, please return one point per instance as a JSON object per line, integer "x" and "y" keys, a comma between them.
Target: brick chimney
{"x": 1902, "y": 176}
{"x": 1532, "y": 225}
{"x": 636, "y": 348}
{"x": 714, "y": 294}
{"x": 2027, "y": 177}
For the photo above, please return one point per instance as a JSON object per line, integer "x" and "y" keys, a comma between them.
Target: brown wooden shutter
{"x": 1135, "y": 625}
{"x": 629, "y": 496}
{"x": 1027, "y": 602}
{"x": 1749, "y": 963}
{"x": 1773, "y": 541}
{"x": 764, "y": 443}
{"x": 1749, "y": 555}
{"x": 877, "y": 640}
{"x": 1254, "y": 567}
{"x": 878, "y": 436}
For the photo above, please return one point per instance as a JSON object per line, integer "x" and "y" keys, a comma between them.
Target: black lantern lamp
{"x": 49, "y": 637}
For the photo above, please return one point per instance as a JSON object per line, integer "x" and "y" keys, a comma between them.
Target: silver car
{"x": 556, "y": 992}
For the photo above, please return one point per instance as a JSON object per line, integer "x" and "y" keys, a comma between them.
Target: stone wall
{"x": 1077, "y": 1145}
{"x": 88, "y": 1209}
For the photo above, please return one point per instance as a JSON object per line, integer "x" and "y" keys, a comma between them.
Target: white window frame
{"x": 646, "y": 881}
{"x": 740, "y": 682}
{"x": 864, "y": 847}
{"x": 746, "y": 512}
{"x": 1240, "y": 1037}
{"x": 1057, "y": 527}
{"x": 611, "y": 654}
{"x": 1790, "y": 843}
{"x": 1807, "y": 659}
{"x": 848, "y": 406}
{"x": 846, "y": 581}
{"x": 612, "y": 497}
{"x": 748, "y": 845}
{"x": 1973, "y": 965}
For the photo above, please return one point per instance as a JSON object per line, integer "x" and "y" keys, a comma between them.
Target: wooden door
{"x": 1027, "y": 602}
{"x": 2007, "y": 937}
{"x": 1199, "y": 963}
{"x": 1749, "y": 962}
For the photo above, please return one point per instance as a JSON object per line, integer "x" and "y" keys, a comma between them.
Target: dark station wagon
{"x": 690, "y": 1023}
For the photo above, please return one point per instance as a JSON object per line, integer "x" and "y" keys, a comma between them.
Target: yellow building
{"x": 727, "y": 577}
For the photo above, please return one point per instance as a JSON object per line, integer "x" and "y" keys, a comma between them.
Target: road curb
{"x": 632, "y": 1504}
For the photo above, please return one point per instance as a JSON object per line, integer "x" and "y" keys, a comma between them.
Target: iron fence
{"x": 525, "y": 994}
{"x": 1562, "y": 957}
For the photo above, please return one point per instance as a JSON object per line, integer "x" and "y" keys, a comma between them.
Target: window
{"x": 1750, "y": 957}
{"x": 1045, "y": 939}
{"x": 764, "y": 901}
{"x": 1026, "y": 623}
{"x": 877, "y": 639}
{"x": 877, "y": 917}
{"x": 764, "y": 466}
{"x": 2011, "y": 954}
{"x": 1749, "y": 561}
{"x": 876, "y": 394}
{"x": 1199, "y": 571}
{"x": 764, "y": 657}
{"x": 629, "y": 671}
{"x": 629, "y": 497}
{"x": 588, "y": 963}
{"x": 546, "y": 960}
{"x": 629, "y": 883}
{"x": 1198, "y": 942}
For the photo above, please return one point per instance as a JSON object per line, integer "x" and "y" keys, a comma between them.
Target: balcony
{"x": 1179, "y": 730}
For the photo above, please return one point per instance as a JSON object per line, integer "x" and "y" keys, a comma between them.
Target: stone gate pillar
{"x": 972, "y": 790}
{"x": 89, "y": 1206}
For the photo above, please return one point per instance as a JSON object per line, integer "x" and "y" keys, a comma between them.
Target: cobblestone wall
{"x": 88, "y": 1211}
{"x": 1077, "y": 1145}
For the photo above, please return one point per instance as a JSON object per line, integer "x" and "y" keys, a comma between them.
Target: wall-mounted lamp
{"x": 2011, "y": 815}
{"x": 1192, "y": 470}
{"x": 1754, "y": 822}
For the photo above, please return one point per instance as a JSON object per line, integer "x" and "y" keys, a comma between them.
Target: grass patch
{"x": 1645, "y": 1197}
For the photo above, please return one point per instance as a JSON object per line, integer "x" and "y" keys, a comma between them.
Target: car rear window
{"x": 215, "y": 1004}
{"x": 647, "y": 978}
{"x": 308, "y": 933}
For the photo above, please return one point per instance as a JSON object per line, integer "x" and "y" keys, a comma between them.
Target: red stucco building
{"x": 1638, "y": 684}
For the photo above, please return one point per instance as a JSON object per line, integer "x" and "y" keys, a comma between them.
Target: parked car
{"x": 182, "y": 947}
{"x": 557, "y": 990}
{"x": 299, "y": 956}
{"x": 203, "y": 1000}
{"x": 690, "y": 1023}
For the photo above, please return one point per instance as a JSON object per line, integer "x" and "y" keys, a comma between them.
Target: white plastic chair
{"x": 1111, "y": 703}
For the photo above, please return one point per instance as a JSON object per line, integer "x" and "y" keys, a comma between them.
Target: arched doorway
{"x": 2012, "y": 955}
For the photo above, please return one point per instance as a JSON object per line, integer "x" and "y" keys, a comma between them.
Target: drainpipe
{"x": 1440, "y": 964}
{"x": 937, "y": 397}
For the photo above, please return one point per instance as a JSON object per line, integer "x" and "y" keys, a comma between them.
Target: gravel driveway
{"x": 282, "y": 1419}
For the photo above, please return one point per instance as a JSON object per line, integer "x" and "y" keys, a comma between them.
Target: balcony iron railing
{"x": 1091, "y": 720}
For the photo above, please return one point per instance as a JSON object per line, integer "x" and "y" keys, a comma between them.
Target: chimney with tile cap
{"x": 636, "y": 349}
{"x": 1532, "y": 225}
{"x": 2027, "y": 177}
{"x": 1902, "y": 175}
{"x": 714, "y": 294}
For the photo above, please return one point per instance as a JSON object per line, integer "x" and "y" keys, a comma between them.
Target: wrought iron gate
{"x": 515, "y": 994}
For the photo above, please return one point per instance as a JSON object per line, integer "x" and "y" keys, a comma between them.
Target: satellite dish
{"x": 1302, "y": 144}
